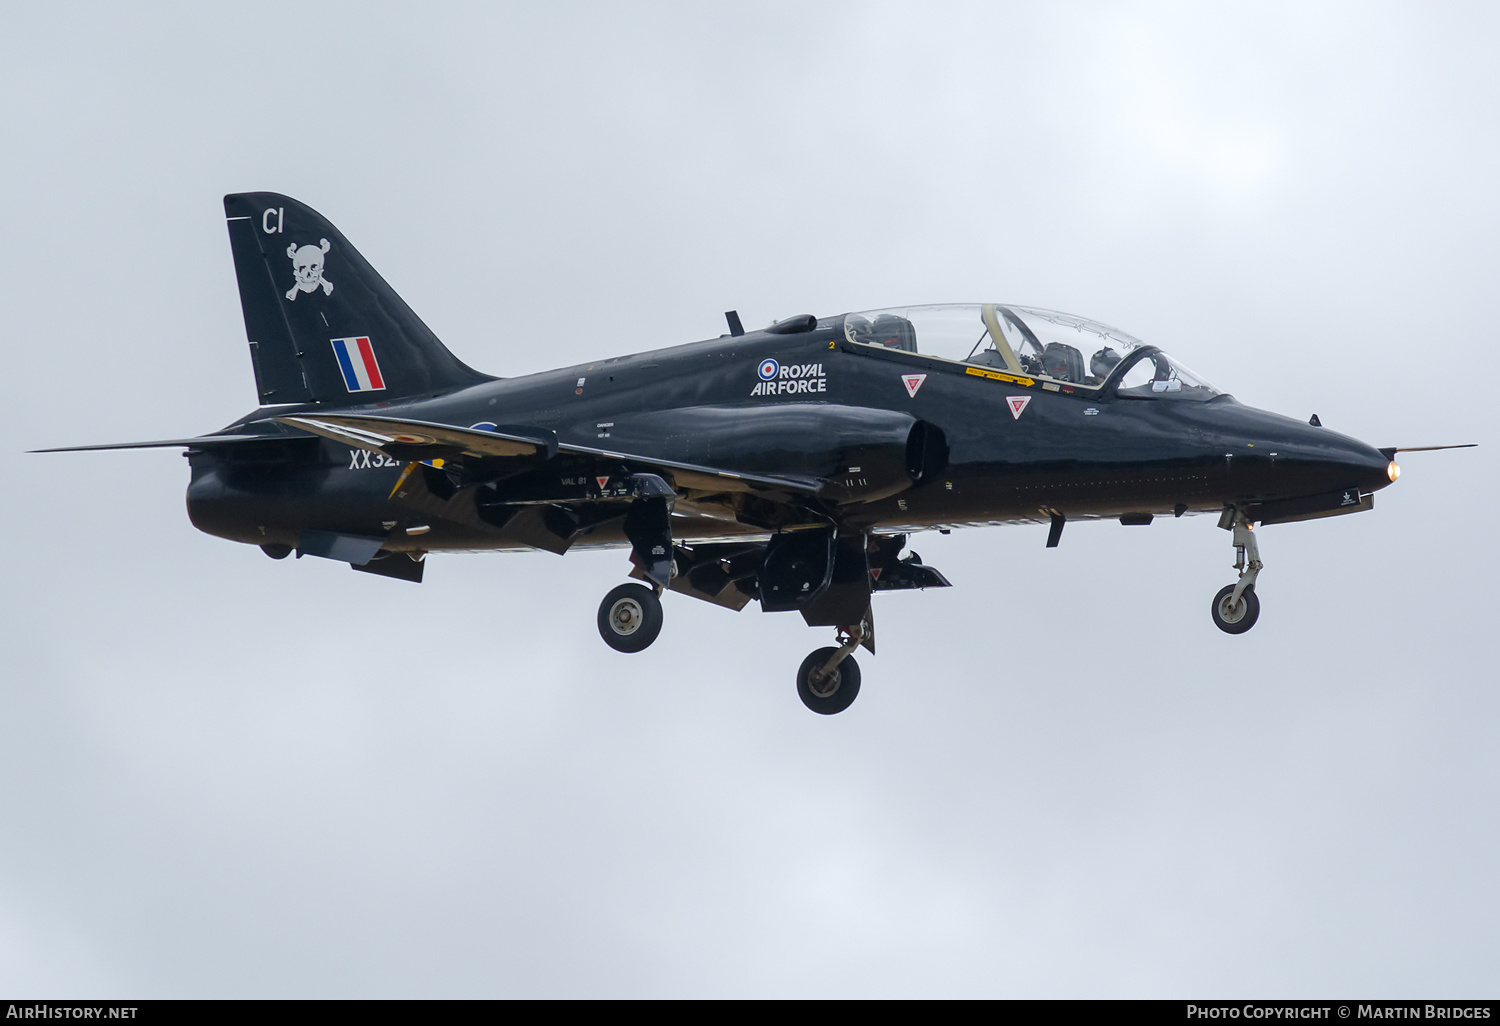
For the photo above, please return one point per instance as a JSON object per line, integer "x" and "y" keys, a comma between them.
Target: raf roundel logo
{"x": 769, "y": 369}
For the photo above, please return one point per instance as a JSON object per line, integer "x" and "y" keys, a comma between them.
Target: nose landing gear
{"x": 1236, "y": 608}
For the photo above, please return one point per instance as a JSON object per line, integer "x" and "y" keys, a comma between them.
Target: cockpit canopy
{"x": 1033, "y": 343}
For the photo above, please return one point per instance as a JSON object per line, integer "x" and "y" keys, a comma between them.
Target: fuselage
{"x": 1004, "y": 452}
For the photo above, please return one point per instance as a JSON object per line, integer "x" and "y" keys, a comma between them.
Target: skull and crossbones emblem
{"x": 307, "y": 266}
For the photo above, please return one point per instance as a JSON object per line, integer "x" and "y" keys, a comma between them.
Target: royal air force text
{"x": 794, "y": 379}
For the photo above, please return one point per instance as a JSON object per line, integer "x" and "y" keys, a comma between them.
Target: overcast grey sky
{"x": 227, "y": 776}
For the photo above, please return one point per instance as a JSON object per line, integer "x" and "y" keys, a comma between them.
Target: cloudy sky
{"x": 227, "y": 776}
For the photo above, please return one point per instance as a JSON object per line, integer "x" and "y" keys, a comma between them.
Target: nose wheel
{"x": 630, "y": 618}
{"x": 1235, "y": 617}
{"x": 1236, "y": 607}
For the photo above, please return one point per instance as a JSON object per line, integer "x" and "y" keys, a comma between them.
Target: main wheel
{"x": 1237, "y": 618}
{"x": 833, "y": 693}
{"x": 630, "y": 618}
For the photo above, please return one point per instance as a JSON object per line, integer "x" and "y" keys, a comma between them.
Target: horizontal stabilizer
{"x": 200, "y": 442}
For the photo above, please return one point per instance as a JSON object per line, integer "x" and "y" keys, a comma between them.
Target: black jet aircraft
{"x": 785, "y": 466}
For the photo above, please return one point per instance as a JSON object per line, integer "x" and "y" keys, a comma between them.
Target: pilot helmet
{"x": 1102, "y": 362}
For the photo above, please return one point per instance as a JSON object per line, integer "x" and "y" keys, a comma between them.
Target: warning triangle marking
{"x": 602, "y": 481}
{"x": 1017, "y": 404}
{"x": 875, "y": 572}
{"x": 912, "y": 383}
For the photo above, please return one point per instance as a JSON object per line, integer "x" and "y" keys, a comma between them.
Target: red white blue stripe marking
{"x": 357, "y": 361}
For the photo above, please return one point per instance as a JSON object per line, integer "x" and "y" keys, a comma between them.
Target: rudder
{"x": 324, "y": 327}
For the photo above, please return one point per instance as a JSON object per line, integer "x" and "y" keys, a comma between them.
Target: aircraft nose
{"x": 1339, "y": 461}
{"x": 1274, "y": 456}
{"x": 1366, "y": 465}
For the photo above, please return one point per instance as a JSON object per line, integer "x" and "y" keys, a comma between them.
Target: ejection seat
{"x": 894, "y": 333}
{"x": 1062, "y": 362}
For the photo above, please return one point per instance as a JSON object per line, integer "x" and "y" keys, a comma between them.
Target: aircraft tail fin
{"x": 324, "y": 327}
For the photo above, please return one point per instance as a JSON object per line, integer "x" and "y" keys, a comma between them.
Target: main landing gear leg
{"x": 630, "y": 616}
{"x": 1236, "y": 607}
{"x": 828, "y": 680}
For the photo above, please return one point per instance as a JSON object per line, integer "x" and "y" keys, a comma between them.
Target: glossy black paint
{"x": 776, "y": 465}
{"x": 692, "y": 404}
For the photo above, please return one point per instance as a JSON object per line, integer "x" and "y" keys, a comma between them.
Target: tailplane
{"x": 324, "y": 327}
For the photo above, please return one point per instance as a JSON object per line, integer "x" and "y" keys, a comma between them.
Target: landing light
{"x": 1392, "y": 471}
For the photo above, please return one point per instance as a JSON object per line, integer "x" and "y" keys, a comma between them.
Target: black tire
{"x": 1238, "y": 620}
{"x": 833, "y": 695}
{"x": 630, "y": 618}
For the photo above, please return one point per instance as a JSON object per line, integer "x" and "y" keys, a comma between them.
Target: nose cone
{"x": 1274, "y": 457}
{"x": 1353, "y": 460}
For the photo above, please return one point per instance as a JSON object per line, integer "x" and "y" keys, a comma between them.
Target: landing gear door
{"x": 797, "y": 569}
{"x": 846, "y": 602}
